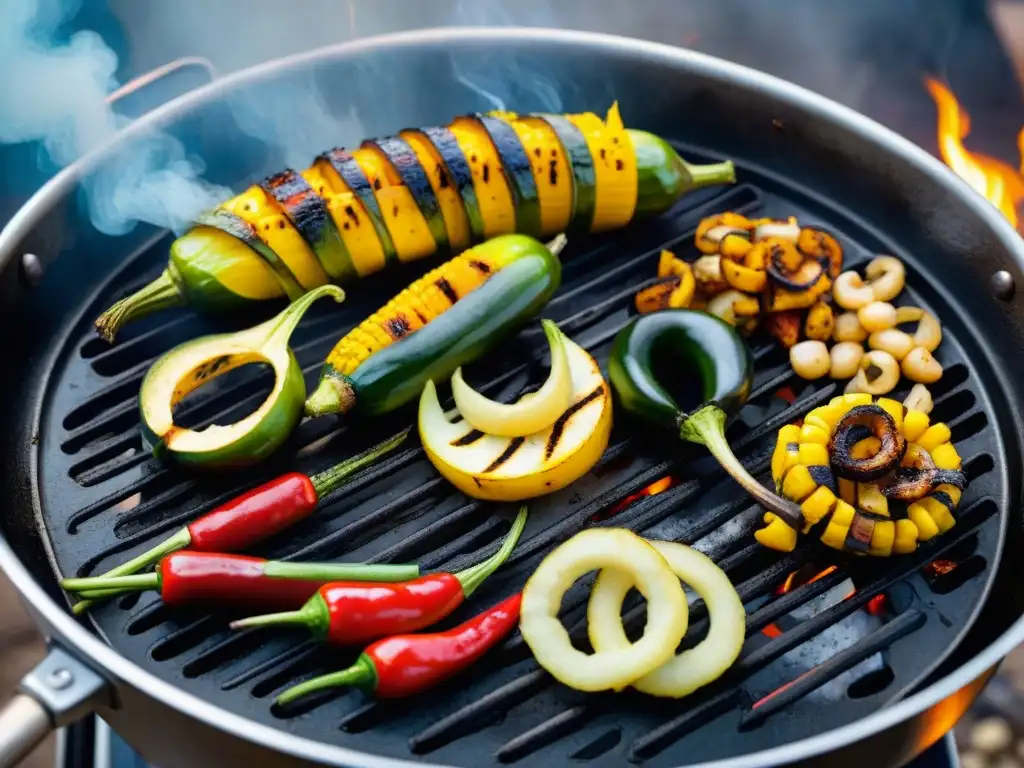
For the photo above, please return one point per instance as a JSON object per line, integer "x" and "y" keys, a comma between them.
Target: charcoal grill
{"x": 868, "y": 660}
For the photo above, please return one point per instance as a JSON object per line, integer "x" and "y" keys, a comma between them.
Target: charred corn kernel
{"x": 784, "y": 456}
{"x": 350, "y": 217}
{"x": 926, "y": 526}
{"x": 407, "y": 226}
{"x": 798, "y": 484}
{"x": 870, "y": 499}
{"x": 943, "y": 518}
{"x": 894, "y": 408}
{"x": 417, "y": 305}
{"x": 550, "y": 169}
{"x": 812, "y": 434}
{"x": 934, "y": 436}
{"x": 951, "y": 491}
{"x": 946, "y": 457}
{"x": 492, "y": 190}
{"x": 915, "y": 424}
{"x": 777, "y": 535}
{"x": 847, "y": 490}
{"x": 813, "y": 455}
{"x": 818, "y": 504}
{"x": 838, "y": 527}
{"x": 882, "y": 537}
{"x": 905, "y": 541}
{"x": 456, "y": 222}
{"x": 273, "y": 227}
{"x": 615, "y": 174}
{"x": 865, "y": 448}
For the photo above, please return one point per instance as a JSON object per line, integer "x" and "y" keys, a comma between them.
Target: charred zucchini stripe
{"x": 574, "y": 144}
{"x": 308, "y": 212}
{"x": 447, "y": 146}
{"x": 237, "y": 227}
{"x": 403, "y": 159}
{"x": 353, "y": 175}
{"x": 516, "y": 165}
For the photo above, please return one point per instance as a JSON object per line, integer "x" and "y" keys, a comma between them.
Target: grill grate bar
{"x": 868, "y": 646}
{"x": 558, "y": 727}
{"x": 722, "y": 693}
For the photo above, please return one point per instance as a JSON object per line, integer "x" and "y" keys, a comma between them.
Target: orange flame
{"x": 1001, "y": 184}
{"x": 658, "y": 486}
{"x": 791, "y": 582}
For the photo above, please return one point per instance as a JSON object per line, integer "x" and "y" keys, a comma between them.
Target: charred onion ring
{"x": 919, "y": 476}
{"x": 846, "y": 435}
{"x": 789, "y": 268}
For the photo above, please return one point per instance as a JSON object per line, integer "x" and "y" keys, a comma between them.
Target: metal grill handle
{"x": 58, "y": 691}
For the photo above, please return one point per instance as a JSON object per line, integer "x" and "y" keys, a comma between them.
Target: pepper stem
{"x": 473, "y": 577}
{"x": 706, "y": 426}
{"x": 179, "y": 540}
{"x": 314, "y": 614}
{"x": 162, "y": 293}
{"x": 328, "y": 481}
{"x": 278, "y": 329}
{"x": 138, "y": 582}
{"x": 362, "y": 674}
{"x": 713, "y": 173}
{"x": 334, "y": 394}
{"x": 328, "y": 572}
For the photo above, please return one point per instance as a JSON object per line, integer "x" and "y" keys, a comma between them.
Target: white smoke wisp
{"x": 56, "y": 94}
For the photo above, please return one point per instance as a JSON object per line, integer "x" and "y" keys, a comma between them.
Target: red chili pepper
{"x": 191, "y": 577}
{"x": 404, "y": 665}
{"x": 349, "y": 613}
{"x": 256, "y": 515}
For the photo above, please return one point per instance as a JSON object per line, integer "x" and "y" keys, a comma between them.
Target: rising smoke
{"x": 56, "y": 94}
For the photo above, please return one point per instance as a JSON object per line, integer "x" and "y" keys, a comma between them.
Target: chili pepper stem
{"x": 330, "y": 479}
{"x": 361, "y": 674}
{"x": 178, "y": 540}
{"x": 162, "y": 293}
{"x": 473, "y": 577}
{"x": 706, "y": 426}
{"x": 315, "y": 615}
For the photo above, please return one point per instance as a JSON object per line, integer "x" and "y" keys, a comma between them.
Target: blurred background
{"x": 917, "y": 66}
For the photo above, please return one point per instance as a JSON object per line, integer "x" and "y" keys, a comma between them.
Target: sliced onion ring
{"x": 532, "y": 413}
{"x": 694, "y": 667}
{"x": 787, "y": 230}
{"x": 597, "y": 549}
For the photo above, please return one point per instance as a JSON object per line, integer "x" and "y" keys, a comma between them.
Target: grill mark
{"x": 553, "y": 173}
{"x": 442, "y": 178}
{"x": 945, "y": 500}
{"x": 397, "y": 326}
{"x": 619, "y": 165}
{"x": 822, "y": 475}
{"x": 468, "y": 439}
{"x": 487, "y": 173}
{"x": 572, "y": 410}
{"x": 480, "y": 267}
{"x": 514, "y": 444}
{"x": 446, "y": 288}
{"x": 423, "y": 319}
{"x": 351, "y": 213}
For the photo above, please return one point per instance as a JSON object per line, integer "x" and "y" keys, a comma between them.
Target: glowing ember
{"x": 940, "y": 567}
{"x": 793, "y": 581}
{"x": 1001, "y": 184}
{"x": 658, "y": 486}
{"x": 876, "y": 605}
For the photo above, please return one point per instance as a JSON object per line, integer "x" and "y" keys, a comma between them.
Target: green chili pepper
{"x": 663, "y": 352}
{"x": 194, "y": 363}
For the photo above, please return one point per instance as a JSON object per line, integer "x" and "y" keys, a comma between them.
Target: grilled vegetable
{"x": 693, "y": 667}
{"x": 190, "y": 365}
{"x": 184, "y": 578}
{"x": 409, "y": 196}
{"x": 448, "y": 317}
{"x": 650, "y": 361}
{"x": 488, "y": 466}
{"x": 403, "y": 665}
{"x": 899, "y": 477}
{"x": 256, "y": 515}
{"x": 596, "y": 549}
{"x": 346, "y": 613}
{"x": 674, "y": 288}
{"x": 531, "y": 414}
